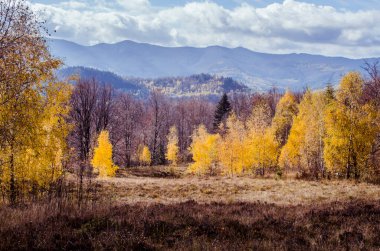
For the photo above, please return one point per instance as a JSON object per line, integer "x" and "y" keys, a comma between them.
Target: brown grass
{"x": 193, "y": 226}
{"x": 156, "y": 209}
{"x": 136, "y": 186}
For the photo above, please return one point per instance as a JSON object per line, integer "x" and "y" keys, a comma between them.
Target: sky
{"x": 333, "y": 28}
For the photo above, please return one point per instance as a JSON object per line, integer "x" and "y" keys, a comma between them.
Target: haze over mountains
{"x": 259, "y": 71}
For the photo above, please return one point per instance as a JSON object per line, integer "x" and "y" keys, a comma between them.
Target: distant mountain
{"x": 103, "y": 77}
{"x": 259, "y": 71}
{"x": 194, "y": 85}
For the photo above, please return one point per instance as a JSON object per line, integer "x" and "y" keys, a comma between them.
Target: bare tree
{"x": 104, "y": 105}
{"x": 83, "y": 108}
{"x": 159, "y": 115}
{"x": 129, "y": 117}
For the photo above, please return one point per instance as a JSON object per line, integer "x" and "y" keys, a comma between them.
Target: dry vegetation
{"x": 156, "y": 209}
{"x": 150, "y": 185}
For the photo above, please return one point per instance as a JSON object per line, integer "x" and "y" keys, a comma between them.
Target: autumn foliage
{"x": 326, "y": 134}
{"x": 102, "y": 160}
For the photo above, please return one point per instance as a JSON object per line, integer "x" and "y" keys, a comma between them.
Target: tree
{"x": 222, "y": 111}
{"x": 262, "y": 147}
{"x": 304, "y": 148}
{"x": 232, "y": 148}
{"x": 145, "y": 156}
{"x": 159, "y": 110}
{"x": 282, "y": 122}
{"x": 83, "y": 101}
{"x": 127, "y": 126}
{"x": 32, "y": 130}
{"x": 204, "y": 148}
{"x": 172, "y": 147}
{"x": 104, "y": 107}
{"x": 102, "y": 159}
{"x": 350, "y": 129}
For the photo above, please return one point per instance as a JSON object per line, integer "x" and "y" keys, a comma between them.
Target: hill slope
{"x": 194, "y": 85}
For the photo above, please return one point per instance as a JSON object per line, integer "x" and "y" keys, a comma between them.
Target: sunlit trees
{"x": 350, "y": 129}
{"x": 304, "y": 149}
{"x": 172, "y": 150}
{"x": 233, "y": 153}
{"x": 102, "y": 159}
{"x": 204, "y": 148}
{"x": 261, "y": 145}
{"x": 145, "y": 156}
{"x": 33, "y": 105}
{"x": 286, "y": 109}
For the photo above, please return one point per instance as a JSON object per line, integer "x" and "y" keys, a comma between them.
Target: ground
{"x": 136, "y": 186}
{"x": 161, "y": 209}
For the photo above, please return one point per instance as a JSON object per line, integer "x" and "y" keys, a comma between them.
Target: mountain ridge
{"x": 257, "y": 70}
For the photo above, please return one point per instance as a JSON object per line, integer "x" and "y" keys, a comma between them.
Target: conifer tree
{"x": 222, "y": 111}
{"x": 172, "y": 147}
{"x": 102, "y": 160}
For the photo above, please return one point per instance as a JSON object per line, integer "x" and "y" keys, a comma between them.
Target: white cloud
{"x": 292, "y": 26}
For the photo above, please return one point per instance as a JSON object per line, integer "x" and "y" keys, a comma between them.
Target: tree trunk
{"x": 12, "y": 183}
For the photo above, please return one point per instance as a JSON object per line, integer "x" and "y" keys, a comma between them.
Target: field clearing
{"x": 154, "y": 209}
{"x": 137, "y": 186}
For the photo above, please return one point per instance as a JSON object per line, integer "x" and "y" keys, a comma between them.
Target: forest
{"x": 68, "y": 150}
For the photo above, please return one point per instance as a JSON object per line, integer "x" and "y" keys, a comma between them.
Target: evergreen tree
{"x": 329, "y": 91}
{"x": 222, "y": 111}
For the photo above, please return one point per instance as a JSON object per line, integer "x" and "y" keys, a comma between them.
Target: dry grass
{"x": 193, "y": 226}
{"x": 156, "y": 209}
{"x": 136, "y": 186}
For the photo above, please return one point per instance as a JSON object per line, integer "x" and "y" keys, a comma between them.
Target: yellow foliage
{"x": 102, "y": 160}
{"x": 350, "y": 129}
{"x": 232, "y": 150}
{"x": 204, "y": 149}
{"x": 172, "y": 147}
{"x": 145, "y": 156}
{"x": 285, "y": 111}
{"x": 304, "y": 148}
{"x": 261, "y": 145}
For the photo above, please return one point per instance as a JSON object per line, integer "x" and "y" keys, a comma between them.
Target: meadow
{"x": 156, "y": 208}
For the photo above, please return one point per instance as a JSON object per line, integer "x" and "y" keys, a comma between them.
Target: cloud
{"x": 291, "y": 26}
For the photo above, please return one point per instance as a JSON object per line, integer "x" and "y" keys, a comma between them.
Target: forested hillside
{"x": 195, "y": 85}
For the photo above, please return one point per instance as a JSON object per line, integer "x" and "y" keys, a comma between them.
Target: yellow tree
{"x": 26, "y": 78}
{"x": 282, "y": 122}
{"x": 262, "y": 147}
{"x": 304, "y": 148}
{"x": 102, "y": 159}
{"x": 172, "y": 152}
{"x": 145, "y": 156}
{"x": 204, "y": 148}
{"x": 232, "y": 148}
{"x": 350, "y": 129}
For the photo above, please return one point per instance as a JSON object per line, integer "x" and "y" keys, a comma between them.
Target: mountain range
{"x": 258, "y": 71}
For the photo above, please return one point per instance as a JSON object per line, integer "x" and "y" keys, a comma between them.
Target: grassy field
{"x": 155, "y": 209}
{"x": 138, "y": 185}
